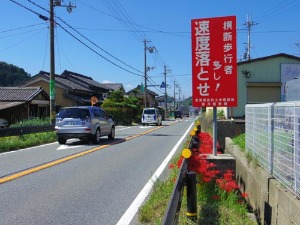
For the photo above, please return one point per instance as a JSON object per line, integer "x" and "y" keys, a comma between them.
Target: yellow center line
{"x": 62, "y": 160}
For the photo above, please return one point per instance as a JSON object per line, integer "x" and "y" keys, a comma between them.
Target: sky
{"x": 104, "y": 39}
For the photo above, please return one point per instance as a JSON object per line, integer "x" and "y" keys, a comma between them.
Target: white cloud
{"x": 129, "y": 87}
{"x": 107, "y": 81}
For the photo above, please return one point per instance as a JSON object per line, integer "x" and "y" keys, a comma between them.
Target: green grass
{"x": 227, "y": 209}
{"x": 153, "y": 210}
{"x": 240, "y": 141}
{"x": 31, "y": 122}
{"x": 27, "y": 140}
{"x": 230, "y": 209}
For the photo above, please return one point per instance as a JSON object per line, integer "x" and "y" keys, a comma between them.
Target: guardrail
{"x": 17, "y": 131}
{"x": 171, "y": 215}
{"x": 185, "y": 178}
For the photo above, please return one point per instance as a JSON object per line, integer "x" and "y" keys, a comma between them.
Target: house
{"x": 19, "y": 103}
{"x": 72, "y": 89}
{"x": 161, "y": 101}
{"x": 262, "y": 80}
{"x": 139, "y": 93}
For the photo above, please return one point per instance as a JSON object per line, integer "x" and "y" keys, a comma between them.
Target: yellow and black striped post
{"x": 191, "y": 193}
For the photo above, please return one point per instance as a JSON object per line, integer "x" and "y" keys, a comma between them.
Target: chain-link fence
{"x": 273, "y": 139}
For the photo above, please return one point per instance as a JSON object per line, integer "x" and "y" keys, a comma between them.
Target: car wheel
{"x": 62, "y": 141}
{"x": 111, "y": 136}
{"x": 97, "y": 136}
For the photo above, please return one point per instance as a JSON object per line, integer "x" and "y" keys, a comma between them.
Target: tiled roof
{"x": 113, "y": 86}
{"x": 81, "y": 78}
{"x": 139, "y": 92}
{"x": 73, "y": 81}
{"x": 20, "y": 94}
{"x": 64, "y": 82}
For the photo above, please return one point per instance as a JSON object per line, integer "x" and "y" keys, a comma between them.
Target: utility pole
{"x": 69, "y": 7}
{"x": 249, "y": 24}
{"x": 166, "y": 96}
{"x": 146, "y": 69}
{"x": 145, "y": 73}
{"x": 52, "y": 66}
{"x": 175, "y": 85}
{"x": 179, "y": 96}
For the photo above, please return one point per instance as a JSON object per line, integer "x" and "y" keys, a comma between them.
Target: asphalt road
{"x": 82, "y": 183}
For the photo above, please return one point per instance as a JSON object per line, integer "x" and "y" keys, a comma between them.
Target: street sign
{"x": 214, "y": 62}
{"x": 163, "y": 85}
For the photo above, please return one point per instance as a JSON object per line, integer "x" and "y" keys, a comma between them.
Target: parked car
{"x": 3, "y": 123}
{"x": 178, "y": 114}
{"x": 85, "y": 123}
{"x": 151, "y": 116}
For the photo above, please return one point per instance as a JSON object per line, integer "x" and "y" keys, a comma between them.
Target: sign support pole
{"x": 215, "y": 131}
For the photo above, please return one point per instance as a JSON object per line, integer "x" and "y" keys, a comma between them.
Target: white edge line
{"x": 24, "y": 149}
{"x": 138, "y": 201}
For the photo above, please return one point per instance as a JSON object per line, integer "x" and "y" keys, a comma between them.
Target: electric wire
{"x": 99, "y": 46}
{"x": 38, "y": 6}
{"x": 148, "y": 29}
{"x": 21, "y": 28}
{"x": 24, "y": 32}
{"x": 128, "y": 19}
{"x": 117, "y": 12}
{"x": 81, "y": 41}
{"x": 19, "y": 42}
{"x": 120, "y": 12}
{"x": 25, "y": 7}
{"x": 96, "y": 51}
{"x": 277, "y": 9}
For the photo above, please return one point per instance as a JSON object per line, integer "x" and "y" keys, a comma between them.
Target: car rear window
{"x": 149, "y": 111}
{"x": 74, "y": 113}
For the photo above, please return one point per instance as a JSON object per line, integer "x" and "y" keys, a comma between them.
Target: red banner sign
{"x": 214, "y": 59}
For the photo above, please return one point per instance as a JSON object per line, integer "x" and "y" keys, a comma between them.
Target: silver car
{"x": 3, "y": 123}
{"x": 85, "y": 123}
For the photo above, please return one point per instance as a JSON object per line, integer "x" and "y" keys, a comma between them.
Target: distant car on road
{"x": 185, "y": 111}
{"x": 178, "y": 114}
{"x": 85, "y": 123}
{"x": 151, "y": 116}
{"x": 3, "y": 123}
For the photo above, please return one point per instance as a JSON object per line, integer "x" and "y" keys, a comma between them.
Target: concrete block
{"x": 272, "y": 202}
{"x": 223, "y": 162}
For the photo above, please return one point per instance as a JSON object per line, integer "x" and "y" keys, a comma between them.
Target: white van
{"x": 151, "y": 116}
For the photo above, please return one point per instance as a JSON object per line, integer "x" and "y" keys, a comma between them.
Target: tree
{"x": 11, "y": 75}
{"x": 125, "y": 110}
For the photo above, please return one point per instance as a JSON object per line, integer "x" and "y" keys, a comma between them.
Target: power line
{"x": 44, "y": 17}
{"x": 39, "y": 15}
{"x": 97, "y": 52}
{"x": 126, "y": 21}
{"x": 119, "y": 13}
{"x": 173, "y": 33}
{"x": 20, "y": 28}
{"x": 19, "y": 42}
{"x": 277, "y": 9}
{"x": 99, "y": 46}
{"x": 24, "y": 32}
{"x": 38, "y": 6}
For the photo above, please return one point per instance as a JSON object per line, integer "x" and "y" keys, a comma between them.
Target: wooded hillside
{"x": 11, "y": 75}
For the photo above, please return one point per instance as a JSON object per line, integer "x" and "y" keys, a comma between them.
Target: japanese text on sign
{"x": 214, "y": 62}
